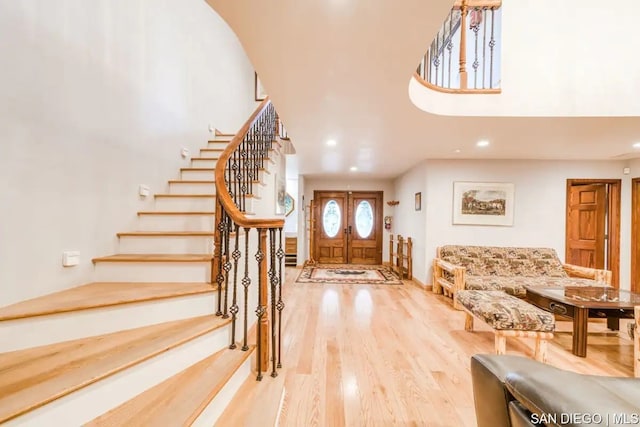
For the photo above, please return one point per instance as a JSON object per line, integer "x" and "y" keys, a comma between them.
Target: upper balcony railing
{"x": 465, "y": 55}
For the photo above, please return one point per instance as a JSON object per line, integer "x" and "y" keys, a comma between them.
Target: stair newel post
{"x": 246, "y": 281}
{"x": 236, "y": 254}
{"x": 463, "y": 44}
{"x": 216, "y": 271}
{"x": 261, "y": 310}
{"x": 273, "y": 282}
{"x": 280, "y": 303}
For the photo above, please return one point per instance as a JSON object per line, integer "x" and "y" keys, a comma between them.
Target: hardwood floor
{"x": 376, "y": 355}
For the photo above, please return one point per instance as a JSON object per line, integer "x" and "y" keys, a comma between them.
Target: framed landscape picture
{"x": 483, "y": 203}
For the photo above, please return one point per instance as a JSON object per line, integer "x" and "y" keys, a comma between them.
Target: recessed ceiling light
{"x": 353, "y": 168}
{"x": 636, "y": 145}
{"x": 483, "y": 143}
{"x": 457, "y": 150}
{"x": 331, "y": 142}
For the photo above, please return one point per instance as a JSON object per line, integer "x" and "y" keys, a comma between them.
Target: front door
{"x": 348, "y": 227}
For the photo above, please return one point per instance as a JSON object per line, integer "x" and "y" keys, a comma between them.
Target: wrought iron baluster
{"x": 484, "y": 46}
{"x": 475, "y": 26}
{"x": 436, "y": 60}
{"x": 280, "y": 303}
{"x": 450, "y": 45}
{"x": 234, "y": 300}
{"x": 273, "y": 281}
{"x": 220, "y": 277}
{"x": 261, "y": 309}
{"x": 246, "y": 282}
{"x": 227, "y": 265}
{"x": 492, "y": 44}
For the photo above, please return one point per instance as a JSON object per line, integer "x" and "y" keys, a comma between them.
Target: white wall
{"x": 411, "y": 223}
{"x": 291, "y": 221}
{"x": 99, "y": 96}
{"x": 568, "y": 58}
{"x": 310, "y": 185}
{"x": 540, "y": 203}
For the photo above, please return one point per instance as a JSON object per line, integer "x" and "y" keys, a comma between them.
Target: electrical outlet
{"x": 144, "y": 190}
{"x": 185, "y": 153}
{"x": 70, "y": 258}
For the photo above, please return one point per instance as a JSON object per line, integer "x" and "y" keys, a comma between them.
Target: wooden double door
{"x": 348, "y": 227}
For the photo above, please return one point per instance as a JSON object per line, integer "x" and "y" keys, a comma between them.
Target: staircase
{"x": 147, "y": 343}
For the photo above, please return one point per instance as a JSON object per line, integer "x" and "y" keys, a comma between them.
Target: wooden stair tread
{"x": 197, "y": 196}
{"x": 155, "y": 258}
{"x": 100, "y": 294}
{"x": 180, "y": 399}
{"x": 212, "y": 150}
{"x": 167, "y": 234}
{"x": 36, "y": 376}
{"x": 175, "y": 213}
{"x": 183, "y": 181}
{"x": 270, "y": 395}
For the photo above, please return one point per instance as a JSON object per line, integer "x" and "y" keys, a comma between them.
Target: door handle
{"x": 349, "y": 229}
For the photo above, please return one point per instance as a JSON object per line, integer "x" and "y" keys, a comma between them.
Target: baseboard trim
{"x": 422, "y": 285}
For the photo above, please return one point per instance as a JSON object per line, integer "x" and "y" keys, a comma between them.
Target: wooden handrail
{"x": 222, "y": 193}
{"x": 431, "y": 86}
{"x": 491, "y": 4}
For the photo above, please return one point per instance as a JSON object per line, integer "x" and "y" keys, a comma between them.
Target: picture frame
{"x": 260, "y": 93}
{"x": 289, "y": 204}
{"x": 418, "y": 201}
{"x": 280, "y": 186}
{"x": 483, "y": 203}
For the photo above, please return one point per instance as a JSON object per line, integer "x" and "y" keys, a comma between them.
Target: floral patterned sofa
{"x": 458, "y": 267}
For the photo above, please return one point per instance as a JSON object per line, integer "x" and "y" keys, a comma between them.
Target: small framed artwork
{"x": 418, "y": 200}
{"x": 260, "y": 93}
{"x": 289, "y": 204}
{"x": 483, "y": 203}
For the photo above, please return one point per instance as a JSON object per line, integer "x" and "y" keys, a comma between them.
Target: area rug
{"x": 348, "y": 273}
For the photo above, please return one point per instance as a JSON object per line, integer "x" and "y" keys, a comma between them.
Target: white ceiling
{"x": 341, "y": 69}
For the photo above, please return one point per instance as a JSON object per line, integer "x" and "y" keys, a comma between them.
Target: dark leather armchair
{"x": 513, "y": 391}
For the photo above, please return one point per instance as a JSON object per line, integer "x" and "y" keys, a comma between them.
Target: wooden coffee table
{"x": 583, "y": 302}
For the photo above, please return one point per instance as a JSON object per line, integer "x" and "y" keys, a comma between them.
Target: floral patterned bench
{"x": 508, "y": 269}
{"x": 509, "y": 317}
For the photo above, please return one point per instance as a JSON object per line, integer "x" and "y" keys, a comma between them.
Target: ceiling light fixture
{"x": 331, "y": 142}
{"x": 636, "y": 145}
{"x": 483, "y": 143}
{"x": 353, "y": 169}
{"x": 457, "y": 150}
